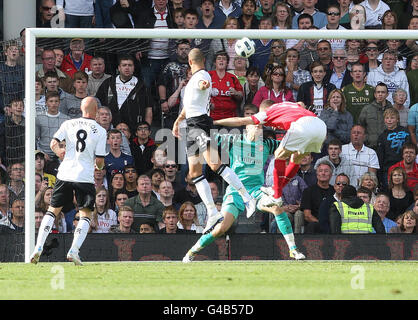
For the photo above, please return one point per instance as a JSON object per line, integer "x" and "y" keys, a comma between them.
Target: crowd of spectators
{"x": 366, "y": 91}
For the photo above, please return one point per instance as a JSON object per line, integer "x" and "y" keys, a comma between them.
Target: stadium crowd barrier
{"x": 149, "y": 247}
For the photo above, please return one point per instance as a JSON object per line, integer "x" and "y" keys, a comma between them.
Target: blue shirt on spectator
{"x": 389, "y": 224}
{"x": 319, "y": 18}
{"x": 113, "y": 164}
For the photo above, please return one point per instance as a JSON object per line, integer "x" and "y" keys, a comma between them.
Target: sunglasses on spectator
{"x": 130, "y": 171}
{"x": 276, "y": 47}
{"x": 277, "y": 74}
{"x": 171, "y": 166}
{"x": 46, "y": 8}
{"x": 336, "y": 14}
{"x": 371, "y": 49}
{"x": 341, "y": 183}
{"x": 76, "y": 219}
{"x": 339, "y": 57}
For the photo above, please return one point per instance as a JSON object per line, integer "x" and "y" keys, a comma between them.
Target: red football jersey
{"x": 281, "y": 115}
{"x": 225, "y": 106}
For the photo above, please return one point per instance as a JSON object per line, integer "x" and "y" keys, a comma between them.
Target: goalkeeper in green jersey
{"x": 248, "y": 154}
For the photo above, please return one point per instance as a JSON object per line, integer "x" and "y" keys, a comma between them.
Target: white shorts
{"x": 306, "y": 134}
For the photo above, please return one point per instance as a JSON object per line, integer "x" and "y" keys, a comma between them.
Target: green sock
{"x": 203, "y": 242}
{"x": 285, "y": 228}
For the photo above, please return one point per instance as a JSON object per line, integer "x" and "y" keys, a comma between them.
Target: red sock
{"x": 291, "y": 170}
{"x": 278, "y": 177}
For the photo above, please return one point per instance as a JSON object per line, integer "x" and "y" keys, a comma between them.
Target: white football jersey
{"x": 196, "y": 101}
{"x": 85, "y": 139}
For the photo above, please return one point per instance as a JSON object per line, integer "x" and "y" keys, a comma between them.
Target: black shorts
{"x": 64, "y": 191}
{"x": 198, "y": 134}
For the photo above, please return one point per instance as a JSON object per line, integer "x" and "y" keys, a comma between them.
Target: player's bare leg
{"x": 206, "y": 239}
{"x": 80, "y": 234}
{"x": 212, "y": 158}
{"x": 285, "y": 228}
{"x": 203, "y": 188}
{"x": 44, "y": 230}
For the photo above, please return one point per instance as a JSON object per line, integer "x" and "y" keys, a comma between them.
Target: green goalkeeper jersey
{"x": 247, "y": 158}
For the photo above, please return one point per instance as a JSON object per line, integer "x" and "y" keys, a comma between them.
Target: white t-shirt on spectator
{"x": 124, "y": 88}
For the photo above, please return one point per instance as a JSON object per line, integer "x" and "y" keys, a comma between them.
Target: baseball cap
{"x": 40, "y": 153}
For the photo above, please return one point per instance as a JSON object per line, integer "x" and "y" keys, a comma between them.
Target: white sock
{"x": 205, "y": 194}
{"x": 290, "y": 240}
{"x": 45, "y": 228}
{"x": 80, "y": 233}
{"x": 232, "y": 179}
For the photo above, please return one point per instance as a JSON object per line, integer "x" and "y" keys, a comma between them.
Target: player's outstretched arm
{"x": 234, "y": 122}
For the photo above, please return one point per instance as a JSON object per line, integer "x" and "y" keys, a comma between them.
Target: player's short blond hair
{"x": 265, "y": 104}
{"x": 196, "y": 55}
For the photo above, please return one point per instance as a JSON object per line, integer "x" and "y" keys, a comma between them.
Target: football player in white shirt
{"x": 85, "y": 149}
{"x": 196, "y": 112}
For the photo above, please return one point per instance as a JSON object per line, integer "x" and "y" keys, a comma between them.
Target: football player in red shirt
{"x": 305, "y": 134}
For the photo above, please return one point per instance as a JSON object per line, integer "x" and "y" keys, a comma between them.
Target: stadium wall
{"x": 148, "y": 247}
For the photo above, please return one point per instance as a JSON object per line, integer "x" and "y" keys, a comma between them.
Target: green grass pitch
{"x": 212, "y": 280}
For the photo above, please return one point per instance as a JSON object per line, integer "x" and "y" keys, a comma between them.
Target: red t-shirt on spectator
{"x": 225, "y": 106}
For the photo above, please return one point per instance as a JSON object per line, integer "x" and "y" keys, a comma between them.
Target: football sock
{"x": 291, "y": 171}
{"x": 232, "y": 179}
{"x": 80, "y": 233}
{"x": 45, "y": 228}
{"x": 203, "y": 188}
{"x": 203, "y": 242}
{"x": 285, "y": 228}
{"x": 278, "y": 177}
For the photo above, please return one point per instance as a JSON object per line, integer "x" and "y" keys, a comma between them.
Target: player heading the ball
{"x": 196, "y": 112}
{"x": 305, "y": 134}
